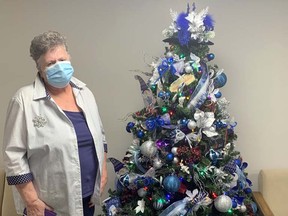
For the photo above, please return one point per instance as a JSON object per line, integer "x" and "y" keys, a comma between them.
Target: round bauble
{"x": 158, "y": 204}
{"x": 248, "y": 190}
{"x": 242, "y": 208}
{"x": 218, "y": 94}
{"x": 220, "y": 80}
{"x": 171, "y": 183}
{"x": 169, "y": 54}
{"x": 141, "y": 192}
{"x": 191, "y": 124}
{"x": 176, "y": 160}
{"x": 140, "y": 134}
{"x": 129, "y": 126}
{"x": 174, "y": 150}
{"x": 188, "y": 69}
{"x": 170, "y": 157}
{"x": 223, "y": 203}
{"x": 210, "y": 56}
{"x": 148, "y": 148}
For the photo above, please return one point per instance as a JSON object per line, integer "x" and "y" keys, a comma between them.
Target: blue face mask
{"x": 59, "y": 74}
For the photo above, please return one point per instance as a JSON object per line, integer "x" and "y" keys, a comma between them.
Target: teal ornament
{"x": 220, "y": 80}
{"x": 158, "y": 204}
{"x": 171, "y": 183}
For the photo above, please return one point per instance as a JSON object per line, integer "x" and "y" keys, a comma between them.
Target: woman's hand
{"x": 37, "y": 208}
{"x": 34, "y": 206}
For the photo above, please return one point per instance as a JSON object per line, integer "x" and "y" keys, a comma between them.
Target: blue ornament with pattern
{"x": 171, "y": 183}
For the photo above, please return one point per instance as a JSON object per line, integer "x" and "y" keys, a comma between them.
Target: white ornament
{"x": 223, "y": 203}
{"x": 141, "y": 192}
{"x": 243, "y": 208}
{"x": 148, "y": 148}
{"x": 157, "y": 163}
{"x": 174, "y": 150}
{"x": 169, "y": 54}
{"x": 175, "y": 160}
{"x": 188, "y": 69}
{"x": 191, "y": 124}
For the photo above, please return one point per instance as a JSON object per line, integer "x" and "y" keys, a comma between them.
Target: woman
{"x": 54, "y": 142}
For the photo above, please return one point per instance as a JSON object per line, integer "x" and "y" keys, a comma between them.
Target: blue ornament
{"x": 170, "y": 60}
{"x": 247, "y": 190}
{"x": 129, "y": 126}
{"x": 183, "y": 121}
{"x": 160, "y": 122}
{"x": 218, "y": 94}
{"x": 161, "y": 94}
{"x": 220, "y": 80}
{"x": 170, "y": 157}
{"x": 234, "y": 203}
{"x": 171, "y": 183}
{"x": 140, "y": 134}
{"x": 150, "y": 124}
{"x": 167, "y": 94}
{"x": 210, "y": 56}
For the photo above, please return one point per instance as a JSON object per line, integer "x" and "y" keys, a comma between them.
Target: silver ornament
{"x": 176, "y": 160}
{"x": 223, "y": 203}
{"x": 191, "y": 124}
{"x": 157, "y": 163}
{"x": 169, "y": 54}
{"x": 141, "y": 192}
{"x": 174, "y": 150}
{"x": 188, "y": 69}
{"x": 148, "y": 148}
{"x": 243, "y": 208}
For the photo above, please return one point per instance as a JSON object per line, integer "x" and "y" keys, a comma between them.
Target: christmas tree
{"x": 182, "y": 159}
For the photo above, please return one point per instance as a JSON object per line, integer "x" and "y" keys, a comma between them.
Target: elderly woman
{"x": 54, "y": 142}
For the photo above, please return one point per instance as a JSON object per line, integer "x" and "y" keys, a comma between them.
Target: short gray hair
{"x": 45, "y": 41}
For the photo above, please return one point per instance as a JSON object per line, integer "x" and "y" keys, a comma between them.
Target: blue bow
{"x": 167, "y": 64}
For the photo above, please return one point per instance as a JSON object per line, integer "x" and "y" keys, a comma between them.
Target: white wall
{"x": 108, "y": 38}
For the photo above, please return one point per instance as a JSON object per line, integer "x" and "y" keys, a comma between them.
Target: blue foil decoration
{"x": 183, "y": 24}
{"x": 208, "y": 22}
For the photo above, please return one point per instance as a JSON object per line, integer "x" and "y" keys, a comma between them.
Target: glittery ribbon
{"x": 200, "y": 93}
{"x": 176, "y": 208}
